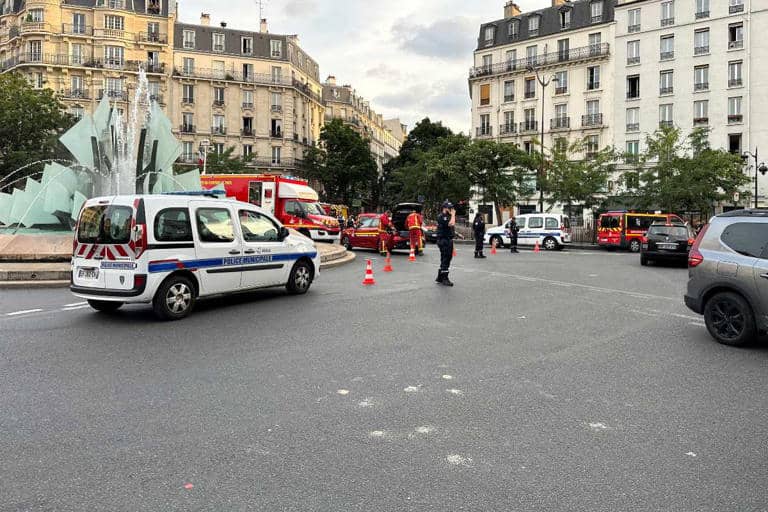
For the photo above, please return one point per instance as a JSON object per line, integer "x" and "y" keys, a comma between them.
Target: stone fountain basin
{"x": 42, "y": 247}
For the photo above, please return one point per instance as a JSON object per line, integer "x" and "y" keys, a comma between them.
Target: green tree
{"x": 228, "y": 163}
{"x": 31, "y": 120}
{"x": 343, "y": 166}
{"x": 573, "y": 181}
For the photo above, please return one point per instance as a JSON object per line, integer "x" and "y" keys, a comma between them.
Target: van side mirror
{"x": 283, "y": 233}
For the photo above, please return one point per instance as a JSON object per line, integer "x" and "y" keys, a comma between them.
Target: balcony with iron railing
{"x": 509, "y": 98}
{"x": 188, "y": 100}
{"x": 529, "y": 94}
{"x": 663, "y": 91}
{"x": 735, "y": 45}
{"x": 507, "y": 129}
{"x": 74, "y": 94}
{"x": 667, "y": 55}
{"x": 701, "y": 86}
{"x": 35, "y": 27}
{"x": 591, "y": 52}
{"x": 218, "y": 130}
{"x": 77, "y": 30}
{"x": 218, "y": 103}
{"x": 152, "y": 37}
{"x": 484, "y": 131}
{"x": 277, "y": 109}
{"x": 633, "y": 60}
{"x": 561, "y": 89}
{"x": 560, "y": 123}
{"x": 112, "y": 33}
{"x": 701, "y": 50}
{"x": 735, "y": 82}
{"x": 276, "y": 134}
{"x": 529, "y": 126}
{"x": 188, "y": 158}
{"x": 633, "y": 28}
{"x": 247, "y": 106}
{"x": 702, "y": 14}
{"x": 187, "y": 128}
{"x": 592, "y": 120}
{"x": 666, "y": 124}
{"x": 666, "y": 22}
{"x": 700, "y": 121}
{"x": 80, "y": 61}
{"x": 633, "y": 127}
{"x": 735, "y": 118}
{"x": 113, "y": 95}
{"x": 282, "y": 163}
{"x": 246, "y": 132}
{"x": 734, "y": 9}
{"x": 597, "y": 19}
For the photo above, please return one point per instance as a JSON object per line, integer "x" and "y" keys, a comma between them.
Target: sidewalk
{"x": 56, "y": 275}
{"x": 574, "y": 246}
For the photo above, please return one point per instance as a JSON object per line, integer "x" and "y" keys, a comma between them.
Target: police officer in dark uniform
{"x": 513, "y": 230}
{"x": 478, "y": 227}
{"x": 445, "y": 232}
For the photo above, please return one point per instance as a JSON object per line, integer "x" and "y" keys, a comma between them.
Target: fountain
{"x": 112, "y": 155}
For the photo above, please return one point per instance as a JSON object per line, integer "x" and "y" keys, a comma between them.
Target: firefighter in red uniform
{"x": 414, "y": 222}
{"x": 385, "y": 224}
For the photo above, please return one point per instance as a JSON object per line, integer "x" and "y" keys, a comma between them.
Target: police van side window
{"x": 552, "y": 223}
{"x": 257, "y": 227}
{"x": 535, "y": 223}
{"x": 215, "y": 225}
{"x": 173, "y": 225}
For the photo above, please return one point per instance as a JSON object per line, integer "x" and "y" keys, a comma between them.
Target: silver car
{"x": 728, "y": 276}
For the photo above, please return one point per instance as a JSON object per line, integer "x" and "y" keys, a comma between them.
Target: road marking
{"x": 686, "y": 317}
{"x": 458, "y": 460}
{"x": 455, "y": 392}
{"x": 73, "y": 308}
{"x": 74, "y": 304}
{"x": 698, "y": 324}
{"x": 15, "y": 313}
{"x": 447, "y": 377}
{"x": 413, "y": 389}
{"x": 598, "y": 426}
{"x": 343, "y": 392}
{"x": 425, "y": 429}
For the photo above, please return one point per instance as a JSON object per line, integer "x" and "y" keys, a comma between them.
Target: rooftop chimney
{"x": 331, "y": 80}
{"x": 223, "y": 24}
{"x": 263, "y": 26}
{"x": 511, "y": 9}
{"x": 205, "y": 19}
{"x": 557, "y": 3}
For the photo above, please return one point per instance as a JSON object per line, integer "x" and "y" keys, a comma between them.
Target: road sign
{"x": 357, "y": 203}
{"x": 205, "y": 143}
{"x": 735, "y": 197}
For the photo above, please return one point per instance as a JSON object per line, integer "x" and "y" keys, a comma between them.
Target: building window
{"x": 113, "y": 56}
{"x": 701, "y": 112}
{"x": 277, "y": 102}
{"x": 187, "y": 151}
{"x": 735, "y": 74}
{"x": 530, "y": 123}
{"x": 485, "y": 94}
{"x": 593, "y": 145}
{"x": 218, "y": 42}
{"x": 667, "y": 47}
{"x": 78, "y": 23}
{"x": 734, "y": 143}
{"x": 666, "y": 116}
{"x": 188, "y": 66}
{"x": 565, "y": 19}
{"x": 595, "y": 43}
{"x": 276, "y": 150}
{"x": 276, "y": 48}
{"x": 530, "y": 88}
{"x": 596, "y": 11}
{"x": 277, "y": 128}
{"x": 633, "y": 87}
{"x": 246, "y": 44}
{"x": 247, "y": 72}
{"x": 528, "y": 147}
{"x": 218, "y": 148}
{"x": 633, "y": 119}
{"x": 218, "y": 69}
{"x": 247, "y": 150}
{"x": 188, "y": 93}
{"x": 593, "y": 117}
{"x": 514, "y": 29}
{"x": 509, "y": 90}
{"x": 218, "y": 96}
{"x": 633, "y": 151}
{"x": 247, "y": 99}
{"x": 561, "y": 144}
{"x": 187, "y": 122}
{"x": 702, "y": 9}
{"x": 509, "y": 122}
{"x": 487, "y": 63}
{"x": 485, "y": 125}
{"x": 593, "y": 78}
{"x": 490, "y": 35}
{"x": 667, "y": 13}
{"x": 734, "y": 110}
{"x": 633, "y": 52}
{"x": 563, "y": 46}
{"x": 36, "y": 80}
{"x": 735, "y": 36}
{"x": 113, "y": 22}
{"x": 219, "y": 126}
{"x": 531, "y": 53}
{"x": 666, "y": 82}
{"x": 701, "y": 42}
{"x": 189, "y": 39}
{"x": 633, "y": 20}
{"x": 35, "y": 51}
{"x": 561, "y": 119}
{"x": 735, "y": 6}
{"x": 511, "y": 59}
{"x": 561, "y": 82}
{"x": 701, "y": 78}
{"x": 533, "y": 25}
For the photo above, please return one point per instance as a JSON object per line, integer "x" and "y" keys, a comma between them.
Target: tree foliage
{"x": 227, "y": 163}
{"x": 31, "y": 120}
{"x": 571, "y": 180}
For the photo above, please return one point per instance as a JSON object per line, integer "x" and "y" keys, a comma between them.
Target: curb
{"x": 30, "y": 285}
{"x": 347, "y": 258}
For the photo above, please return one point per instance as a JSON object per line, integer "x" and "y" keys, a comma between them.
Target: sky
{"x": 409, "y": 58}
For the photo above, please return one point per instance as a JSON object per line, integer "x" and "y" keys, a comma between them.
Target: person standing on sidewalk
{"x": 513, "y": 229}
{"x": 478, "y": 228}
{"x": 414, "y": 224}
{"x": 446, "y": 222}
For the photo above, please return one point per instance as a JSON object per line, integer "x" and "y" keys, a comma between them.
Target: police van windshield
{"x": 105, "y": 224}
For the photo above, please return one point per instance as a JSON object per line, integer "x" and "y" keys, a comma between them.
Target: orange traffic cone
{"x": 493, "y": 246}
{"x": 412, "y": 255}
{"x": 369, "y": 274}
{"x": 536, "y": 248}
{"x": 388, "y": 264}
{"x": 454, "y": 251}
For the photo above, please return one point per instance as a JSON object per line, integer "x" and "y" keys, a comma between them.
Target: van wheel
{"x": 634, "y": 245}
{"x": 550, "y": 243}
{"x": 300, "y": 279}
{"x": 105, "y": 306}
{"x": 729, "y": 319}
{"x": 499, "y": 241}
{"x": 174, "y": 299}
{"x": 346, "y": 243}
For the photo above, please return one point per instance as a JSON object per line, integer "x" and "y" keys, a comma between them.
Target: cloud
{"x": 300, "y": 7}
{"x": 449, "y": 39}
{"x": 384, "y": 71}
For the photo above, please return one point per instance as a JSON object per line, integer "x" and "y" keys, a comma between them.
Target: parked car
{"x": 728, "y": 276}
{"x": 666, "y": 242}
{"x": 365, "y": 235}
{"x": 430, "y": 231}
{"x": 551, "y": 230}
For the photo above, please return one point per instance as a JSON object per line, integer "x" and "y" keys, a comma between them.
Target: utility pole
{"x": 544, "y": 82}
{"x": 759, "y": 168}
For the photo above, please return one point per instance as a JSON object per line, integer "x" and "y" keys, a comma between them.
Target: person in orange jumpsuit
{"x": 385, "y": 224}
{"x": 414, "y": 222}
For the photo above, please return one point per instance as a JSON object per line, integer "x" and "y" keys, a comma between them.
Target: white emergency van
{"x": 551, "y": 230}
{"x": 169, "y": 250}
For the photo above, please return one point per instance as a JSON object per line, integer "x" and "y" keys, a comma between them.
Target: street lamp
{"x": 761, "y": 167}
{"x": 544, "y": 82}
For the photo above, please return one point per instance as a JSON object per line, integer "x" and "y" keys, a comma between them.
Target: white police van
{"x": 551, "y": 230}
{"x": 169, "y": 250}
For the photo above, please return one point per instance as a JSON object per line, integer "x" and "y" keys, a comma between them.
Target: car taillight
{"x": 139, "y": 280}
{"x": 695, "y": 258}
{"x": 691, "y": 241}
{"x": 139, "y": 240}
{"x": 644, "y": 239}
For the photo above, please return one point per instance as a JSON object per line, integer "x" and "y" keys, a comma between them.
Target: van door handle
{"x": 234, "y": 251}
{"x": 250, "y": 251}
{"x": 764, "y": 276}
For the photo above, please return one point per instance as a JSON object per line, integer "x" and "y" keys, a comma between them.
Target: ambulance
{"x": 291, "y": 200}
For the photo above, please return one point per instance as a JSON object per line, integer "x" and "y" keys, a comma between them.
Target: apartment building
{"x": 688, "y": 64}
{"x": 342, "y": 102}
{"x": 568, "y": 47}
{"x": 255, "y": 91}
{"x": 86, "y": 49}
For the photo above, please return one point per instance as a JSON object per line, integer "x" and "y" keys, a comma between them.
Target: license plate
{"x": 88, "y": 273}
{"x": 667, "y": 246}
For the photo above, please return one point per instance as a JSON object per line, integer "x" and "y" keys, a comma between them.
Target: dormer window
{"x": 514, "y": 29}
{"x": 490, "y": 35}
{"x": 565, "y": 19}
{"x": 596, "y": 11}
{"x": 533, "y": 25}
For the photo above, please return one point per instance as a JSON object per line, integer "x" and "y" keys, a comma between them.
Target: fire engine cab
{"x": 291, "y": 200}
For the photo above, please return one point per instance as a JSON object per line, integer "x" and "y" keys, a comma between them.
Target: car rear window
{"x": 747, "y": 238}
{"x": 105, "y": 224}
{"x": 680, "y": 231}
{"x": 609, "y": 221}
{"x": 642, "y": 222}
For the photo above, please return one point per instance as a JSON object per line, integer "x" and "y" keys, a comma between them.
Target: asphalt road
{"x": 559, "y": 381}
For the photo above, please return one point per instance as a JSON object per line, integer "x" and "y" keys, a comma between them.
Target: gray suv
{"x": 728, "y": 276}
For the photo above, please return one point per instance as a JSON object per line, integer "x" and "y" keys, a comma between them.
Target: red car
{"x": 365, "y": 234}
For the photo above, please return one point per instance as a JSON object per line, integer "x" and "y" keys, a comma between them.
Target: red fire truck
{"x": 626, "y": 229}
{"x": 291, "y": 200}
